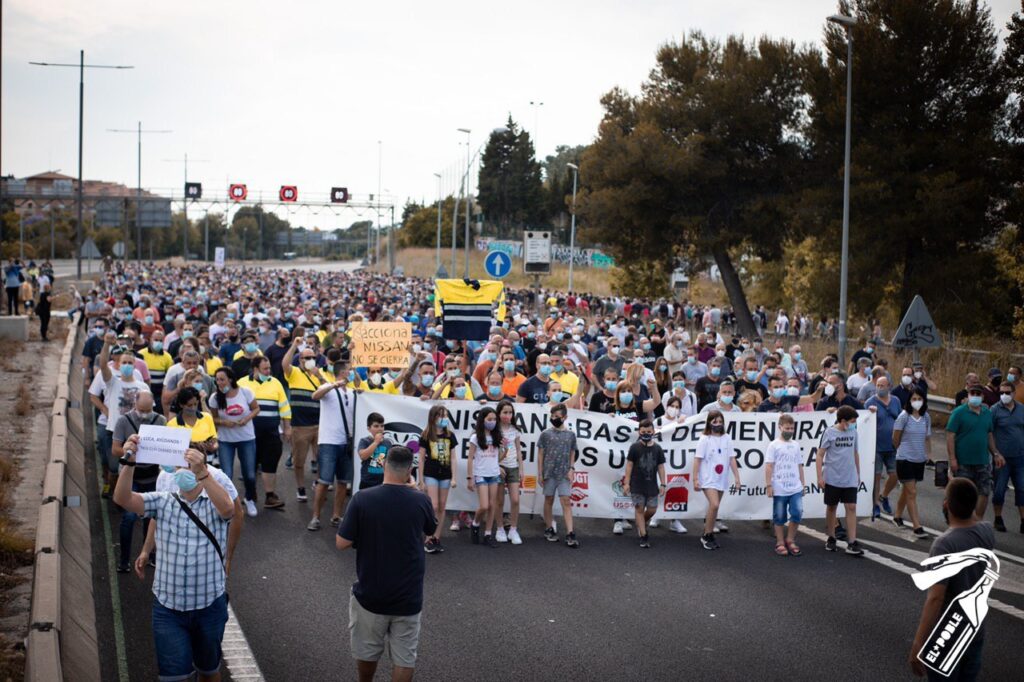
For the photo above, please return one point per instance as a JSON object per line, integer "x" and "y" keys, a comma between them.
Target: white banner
{"x": 603, "y": 442}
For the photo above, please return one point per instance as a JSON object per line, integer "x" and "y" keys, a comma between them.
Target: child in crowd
{"x": 839, "y": 474}
{"x": 438, "y": 466}
{"x": 784, "y": 475}
{"x": 556, "y": 459}
{"x": 372, "y": 451}
{"x": 645, "y": 468}
{"x": 484, "y": 473}
{"x": 511, "y": 472}
{"x": 711, "y": 464}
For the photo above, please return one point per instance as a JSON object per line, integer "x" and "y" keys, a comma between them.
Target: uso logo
{"x": 677, "y": 499}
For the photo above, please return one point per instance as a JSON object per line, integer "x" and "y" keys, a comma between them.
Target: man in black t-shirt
{"x": 387, "y": 524}
{"x": 535, "y": 389}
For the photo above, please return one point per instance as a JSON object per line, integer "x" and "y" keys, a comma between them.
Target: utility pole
{"x": 138, "y": 187}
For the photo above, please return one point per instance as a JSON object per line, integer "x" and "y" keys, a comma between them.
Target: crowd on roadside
{"x": 251, "y": 359}
{"x": 28, "y": 288}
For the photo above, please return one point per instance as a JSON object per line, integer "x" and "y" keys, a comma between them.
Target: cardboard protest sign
{"x": 380, "y": 344}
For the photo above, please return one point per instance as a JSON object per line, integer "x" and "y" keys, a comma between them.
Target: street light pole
{"x": 847, "y": 22}
{"x": 81, "y": 66}
{"x": 465, "y": 245}
{"x": 437, "y": 258}
{"x": 138, "y": 188}
{"x": 572, "y": 229}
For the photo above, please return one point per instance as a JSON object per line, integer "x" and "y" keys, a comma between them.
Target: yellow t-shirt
{"x": 448, "y": 389}
{"x": 213, "y": 364}
{"x": 203, "y": 430}
{"x": 569, "y": 382}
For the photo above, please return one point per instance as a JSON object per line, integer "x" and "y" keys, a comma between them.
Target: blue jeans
{"x": 128, "y": 521}
{"x": 246, "y": 450}
{"x": 333, "y": 464}
{"x": 188, "y": 641}
{"x": 793, "y": 503}
{"x": 1012, "y": 470}
{"x": 104, "y": 447}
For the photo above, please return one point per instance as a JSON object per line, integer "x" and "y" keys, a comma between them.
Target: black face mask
{"x": 717, "y": 428}
{"x": 557, "y": 422}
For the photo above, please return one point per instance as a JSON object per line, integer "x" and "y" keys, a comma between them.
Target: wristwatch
{"x": 127, "y": 462}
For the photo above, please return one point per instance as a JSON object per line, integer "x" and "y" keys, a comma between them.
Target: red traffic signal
{"x": 339, "y": 195}
{"x": 238, "y": 192}
{"x": 288, "y": 193}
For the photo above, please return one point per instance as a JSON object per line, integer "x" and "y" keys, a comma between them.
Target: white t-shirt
{"x": 788, "y": 463}
{"x": 165, "y": 482}
{"x": 119, "y": 396}
{"x": 485, "y": 460}
{"x": 332, "y": 431}
{"x": 509, "y": 455}
{"x": 715, "y": 453}
{"x": 688, "y": 402}
{"x": 98, "y": 388}
{"x": 237, "y": 408}
{"x": 721, "y": 408}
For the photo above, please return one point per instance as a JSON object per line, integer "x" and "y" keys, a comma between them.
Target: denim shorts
{"x": 442, "y": 483}
{"x": 557, "y": 486}
{"x": 981, "y": 474}
{"x": 644, "y": 501}
{"x": 188, "y": 641}
{"x": 794, "y": 504}
{"x": 487, "y": 480}
{"x": 332, "y": 464}
{"x": 885, "y": 462}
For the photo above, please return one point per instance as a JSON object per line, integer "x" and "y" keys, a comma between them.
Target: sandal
{"x": 780, "y": 550}
{"x": 793, "y": 549}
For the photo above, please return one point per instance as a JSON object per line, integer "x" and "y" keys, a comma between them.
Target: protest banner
{"x": 380, "y": 344}
{"x": 162, "y": 445}
{"x": 603, "y": 442}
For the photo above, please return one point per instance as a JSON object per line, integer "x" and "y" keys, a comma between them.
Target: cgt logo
{"x": 677, "y": 497}
{"x": 580, "y": 488}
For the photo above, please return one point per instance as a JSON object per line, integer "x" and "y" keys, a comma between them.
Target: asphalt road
{"x": 607, "y": 610}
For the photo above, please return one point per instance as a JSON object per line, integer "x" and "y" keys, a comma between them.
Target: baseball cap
{"x": 995, "y": 372}
{"x": 975, "y": 389}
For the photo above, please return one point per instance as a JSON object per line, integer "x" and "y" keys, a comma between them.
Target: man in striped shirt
{"x": 190, "y": 605}
{"x": 303, "y": 378}
{"x": 158, "y": 361}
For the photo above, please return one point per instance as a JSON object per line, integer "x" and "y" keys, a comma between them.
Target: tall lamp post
{"x": 572, "y": 228}
{"x": 437, "y": 265}
{"x": 465, "y": 179}
{"x": 138, "y": 189}
{"x": 847, "y": 23}
{"x": 81, "y": 66}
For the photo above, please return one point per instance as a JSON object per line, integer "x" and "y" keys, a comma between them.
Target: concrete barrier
{"x": 14, "y": 327}
{"x": 43, "y": 663}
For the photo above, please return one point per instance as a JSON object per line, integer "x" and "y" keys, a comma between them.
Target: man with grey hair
{"x": 863, "y": 376}
{"x": 387, "y": 525}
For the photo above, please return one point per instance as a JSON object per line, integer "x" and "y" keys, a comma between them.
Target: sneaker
{"x": 430, "y": 546}
{"x": 571, "y": 541}
{"x": 490, "y": 541}
{"x": 617, "y": 528}
{"x": 919, "y": 532}
{"x": 999, "y": 525}
{"x": 300, "y": 495}
{"x": 677, "y": 527}
{"x": 721, "y": 527}
{"x": 644, "y": 542}
{"x": 550, "y": 535}
{"x": 653, "y": 523}
{"x": 513, "y": 537}
{"x": 476, "y": 534}
{"x": 335, "y": 521}
{"x": 456, "y": 526}
{"x": 627, "y": 525}
{"x": 273, "y": 502}
{"x": 106, "y": 491}
{"x": 501, "y": 536}
{"x": 830, "y": 544}
{"x": 707, "y": 541}
{"x": 250, "y": 508}
{"x": 438, "y": 547}
{"x": 876, "y": 512}
{"x": 886, "y": 507}
{"x": 854, "y": 548}
{"x": 313, "y": 525}
{"x": 288, "y": 463}
{"x": 898, "y": 522}
{"x": 123, "y": 567}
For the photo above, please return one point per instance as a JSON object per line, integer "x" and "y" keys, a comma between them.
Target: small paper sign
{"x": 162, "y": 445}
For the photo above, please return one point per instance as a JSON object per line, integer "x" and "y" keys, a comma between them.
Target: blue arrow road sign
{"x": 498, "y": 264}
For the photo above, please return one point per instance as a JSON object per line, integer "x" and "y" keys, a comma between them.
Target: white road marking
{"x": 1000, "y": 553}
{"x": 237, "y": 654}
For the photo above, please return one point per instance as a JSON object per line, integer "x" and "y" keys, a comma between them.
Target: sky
{"x": 325, "y": 93}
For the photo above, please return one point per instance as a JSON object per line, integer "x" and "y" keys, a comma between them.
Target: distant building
{"x": 37, "y": 195}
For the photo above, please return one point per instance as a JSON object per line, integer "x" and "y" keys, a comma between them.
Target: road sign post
{"x": 537, "y": 252}
{"x": 917, "y": 330}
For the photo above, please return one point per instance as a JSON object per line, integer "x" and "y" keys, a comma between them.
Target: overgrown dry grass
{"x": 23, "y": 401}
{"x": 15, "y": 550}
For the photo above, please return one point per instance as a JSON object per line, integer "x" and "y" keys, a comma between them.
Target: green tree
{"x": 700, "y": 163}
{"x": 509, "y": 185}
{"x": 420, "y": 227}
{"x": 558, "y": 188}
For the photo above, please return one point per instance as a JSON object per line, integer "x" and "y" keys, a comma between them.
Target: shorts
{"x": 303, "y": 438}
{"x": 487, "y": 480}
{"x": 981, "y": 474}
{"x": 442, "y": 483}
{"x": 909, "y": 471}
{"x": 511, "y": 474}
{"x": 370, "y": 633}
{"x": 885, "y": 462}
{"x": 557, "y": 486}
{"x": 645, "y": 501}
{"x": 333, "y": 464}
{"x": 188, "y": 641}
{"x": 835, "y": 495}
{"x": 794, "y": 504}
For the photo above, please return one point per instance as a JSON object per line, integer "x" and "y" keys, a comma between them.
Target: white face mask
{"x": 1005, "y": 398}
{"x": 672, "y": 412}
{"x": 830, "y": 390}
{"x": 918, "y": 375}
{"x": 309, "y": 364}
{"x": 917, "y": 404}
{"x": 375, "y": 377}
{"x": 907, "y": 380}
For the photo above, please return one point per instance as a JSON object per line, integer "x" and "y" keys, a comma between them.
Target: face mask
{"x": 351, "y": 376}
{"x": 798, "y": 356}
{"x": 575, "y": 337}
{"x": 751, "y": 376}
{"x": 224, "y": 389}
{"x": 679, "y": 344}
{"x": 198, "y": 386}
{"x": 510, "y": 366}
{"x": 906, "y": 380}
{"x": 786, "y": 434}
{"x": 883, "y": 393}
{"x": 792, "y": 390}
{"x": 1011, "y": 377}
{"x": 375, "y": 378}
{"x": 626, "y": 398}
{"x": 427, "y": 380}
{"x": 647, "y": 437}
{"x": 251, "y": 347}
{"x": 672, "y": 412}
{"x": 185, "y": 479}
{"x": 149, "y": 319}
{"x": 726, "y": 399}
{"x": 494, "y": 391}
{"x": 678, "y": 385}
{"x": 1005, "y": 398}
{"x": 918, "y": 375}
{"x": 489, "y": 424}
{"x": 716, "y": 371}
{"x": 127, "y": 371}
{"x": 557, "y": 422}
{"x": 691, "y": 359}
{"x": 646, "y": 346}
{"x": 168, "y": 468}
{"x": 460, "y": 392}
{"x": 974, "y": 400}
{"x": 830, "y": 390}
{"x": 309, "y": 364}
{"x": 778, "y": 392}
{"x": 717, "y": 428}
{"x": 852, "y": 426}
{"x": 546, "y": 370}
{"x": 450, "y": 344}
{"x": 158, "y": 346}
{"x": 442, "y": 423}
{"x": 263, "y": 378}
{"x": 917, "y": 404}
{"x": 453, "y": 373}
{"x": 542, "y": 345}
{"x": 531, "y": 335}
{"x": 487, "y": 357}
{"x": 613, "y": 351}
{"x": 720, "y": 353}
